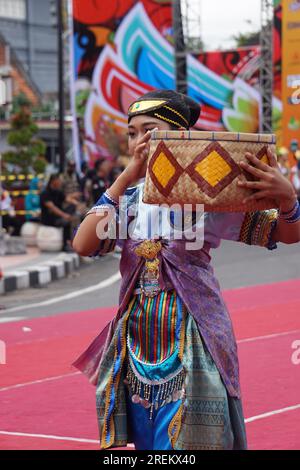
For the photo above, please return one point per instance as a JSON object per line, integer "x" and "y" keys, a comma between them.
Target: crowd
{"x": 63, "y": 199}
{"x": 290, "y": 172}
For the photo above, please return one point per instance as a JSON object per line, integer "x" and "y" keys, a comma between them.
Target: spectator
{"x": 116, "y": 172}
{"x": 32, "y": 201}
{"x": 101, "y": 179}
{"x": 9, "y": 220}
{"x": 283, "y": 162}
{"x": 71, "y": 184}
{"x": 53, "y": 211}
{"x": 84, "y": 168}
{"x": 296, "y": 178}
{"x": 88, "y": 185}
{"x": 83, "y": 179}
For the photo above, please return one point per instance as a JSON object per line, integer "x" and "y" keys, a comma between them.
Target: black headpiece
{"x": 175, "y": 108}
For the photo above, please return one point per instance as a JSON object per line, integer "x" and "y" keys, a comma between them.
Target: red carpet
{"x": 65, "y": 406}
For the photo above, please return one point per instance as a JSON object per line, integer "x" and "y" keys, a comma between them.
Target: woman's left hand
{"x": 270, "y": 182}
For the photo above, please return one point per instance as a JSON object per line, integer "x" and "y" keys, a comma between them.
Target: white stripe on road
{"x": 9, "y": 319}
{"x": 101, "y": 285}
{"x": 49, "y": 436}
{"x": 47, "y": 379}
{"x": 272, "y": 413}
{"x": 92, "y": 441}
{"x": 275, "y": 335}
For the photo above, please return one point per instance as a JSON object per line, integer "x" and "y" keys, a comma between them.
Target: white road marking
{"x": 49, "y": 436}
{"x": 11, "y": 319}
{"x": 92, "y": 441}
{"x": 47, "y": 379}
{"x": 272, "y": 413}
{"x": 275, "y": 335}
{"x": 72, "y": 295}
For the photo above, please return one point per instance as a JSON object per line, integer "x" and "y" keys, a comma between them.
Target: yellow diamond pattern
{"x": 265, "y": 159}
{"x": 213, "y": 168}
{"x": 163, "y": 169}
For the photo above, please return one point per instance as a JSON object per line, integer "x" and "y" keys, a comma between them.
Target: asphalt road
{"x": 97, "y": 284}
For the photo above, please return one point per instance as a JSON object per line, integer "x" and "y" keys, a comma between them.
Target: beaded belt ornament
{"x": 157, "y": 393}
{"x": 194, "y": 167}
{"x": 149, "y": 283}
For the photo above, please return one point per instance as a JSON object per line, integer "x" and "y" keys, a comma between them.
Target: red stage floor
{"x": 46, "y": 404}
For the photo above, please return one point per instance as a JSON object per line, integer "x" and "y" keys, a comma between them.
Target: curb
{"x": 40, "y": 275}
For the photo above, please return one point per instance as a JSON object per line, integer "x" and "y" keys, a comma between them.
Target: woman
{"x": 32, "y": 200}
{"x": 166, "y": 367}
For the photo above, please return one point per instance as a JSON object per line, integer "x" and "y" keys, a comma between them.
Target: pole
{"x": 61, "y": 95}
{"x": 266, "y": 66}
{"x": 179, "y": 48}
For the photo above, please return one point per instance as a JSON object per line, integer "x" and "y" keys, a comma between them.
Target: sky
{"x": 221, "y": 19}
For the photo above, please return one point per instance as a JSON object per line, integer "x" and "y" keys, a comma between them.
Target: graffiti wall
{"x": 124, "y": 49}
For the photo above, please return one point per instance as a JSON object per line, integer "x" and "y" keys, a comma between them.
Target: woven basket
{"x": 194, "y": 167}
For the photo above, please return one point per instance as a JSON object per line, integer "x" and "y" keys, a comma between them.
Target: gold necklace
{"x": 149, "y": 250}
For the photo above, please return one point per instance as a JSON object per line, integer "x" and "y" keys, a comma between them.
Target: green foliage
{"x": 44, "y": 110}
{"x": 19, "y": 102}
{"x": 80, "y": 102}
{"x": 39, "y": 165}
{"x": 247, "y": 39}
{"x": 2, "y": 113}
{"x": 194, "y": 45}
{"x": 28, "y": 151}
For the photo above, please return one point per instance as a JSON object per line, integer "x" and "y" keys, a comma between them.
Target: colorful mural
{"x": 123, "y": 49}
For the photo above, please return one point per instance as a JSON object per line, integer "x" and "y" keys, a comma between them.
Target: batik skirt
{"x": 159, "y": 387}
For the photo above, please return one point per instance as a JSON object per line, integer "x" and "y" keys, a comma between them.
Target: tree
{"x": 28, "y": 151}
{"x": 247, "y": 39}
{"x": 20, "y": 101}
{"x": 195, "y": 45}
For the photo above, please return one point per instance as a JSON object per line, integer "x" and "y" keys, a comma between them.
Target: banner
{"x": 124, "y": 49}
{"x": 291, "y": 74}
{"x": 110, "y": 45}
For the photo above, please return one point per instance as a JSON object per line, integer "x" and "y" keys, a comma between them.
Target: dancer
{"x": 166, "y": 367}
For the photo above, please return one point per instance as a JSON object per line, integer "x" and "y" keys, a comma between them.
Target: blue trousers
{"x": 150, "y": 434}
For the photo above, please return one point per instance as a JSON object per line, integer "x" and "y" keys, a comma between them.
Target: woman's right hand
{"x": 137, "y": 166}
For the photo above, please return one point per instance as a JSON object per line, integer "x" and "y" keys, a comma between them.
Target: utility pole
{"x": 266, "y": 66}
{"x": 179, "y": 48}
{"x": 61, "y": 94}
{"x": 56, "y": 12}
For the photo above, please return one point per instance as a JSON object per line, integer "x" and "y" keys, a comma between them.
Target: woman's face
{"x": 139, "y": 125}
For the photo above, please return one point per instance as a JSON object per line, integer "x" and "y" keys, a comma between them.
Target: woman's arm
{"x": 91, "y": 229}
{"x": 285, "y": 231}
{"x": 272, "y": 184}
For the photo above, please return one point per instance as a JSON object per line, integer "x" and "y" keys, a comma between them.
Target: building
{"x": 48, "y": 132}
{"x": 14, "y": 78}
{"x": 26, "y": 27}
{"x": 29, "y": 64}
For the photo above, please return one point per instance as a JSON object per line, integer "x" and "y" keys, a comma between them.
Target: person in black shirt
{"x": 52, "y": 213}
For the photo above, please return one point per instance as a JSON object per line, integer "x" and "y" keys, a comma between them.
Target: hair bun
{"x": 194, "y": 108}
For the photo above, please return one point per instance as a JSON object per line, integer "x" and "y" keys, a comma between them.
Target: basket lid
{"x": 213, "y": 136}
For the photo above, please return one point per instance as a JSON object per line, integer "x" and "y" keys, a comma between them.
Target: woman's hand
{"x": 138, "y": 164}
{"x": 270, "y": 182}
